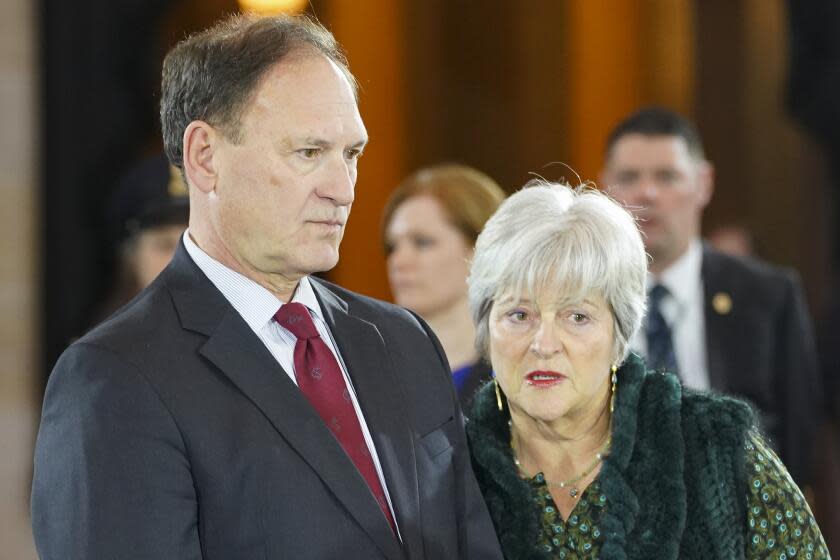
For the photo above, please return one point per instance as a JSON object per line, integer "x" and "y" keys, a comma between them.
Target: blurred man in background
{"x": 730, "y": 324}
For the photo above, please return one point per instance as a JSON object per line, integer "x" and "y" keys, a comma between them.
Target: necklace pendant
{"x": 573, "y": 492}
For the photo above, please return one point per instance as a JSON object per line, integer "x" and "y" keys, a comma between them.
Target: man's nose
{"x": 340, "y": 182}
{"x": 648, "y": 189}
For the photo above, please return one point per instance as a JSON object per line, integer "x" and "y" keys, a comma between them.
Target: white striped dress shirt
{"x": 257, "y": 307}
{"x": 683, "y": 310}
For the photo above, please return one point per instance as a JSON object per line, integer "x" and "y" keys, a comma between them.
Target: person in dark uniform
{"x": 146, "y": 215}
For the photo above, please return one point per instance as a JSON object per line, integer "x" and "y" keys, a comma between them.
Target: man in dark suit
{"x": 239, "y": 408}
{"x": 735, "y": 325}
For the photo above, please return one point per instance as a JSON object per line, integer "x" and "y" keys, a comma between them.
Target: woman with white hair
{"x": 582, "y": 453}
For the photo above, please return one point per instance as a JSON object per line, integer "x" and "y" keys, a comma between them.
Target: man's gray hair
{"x": 577, "y": 241}
{"x": 213, "y": 75}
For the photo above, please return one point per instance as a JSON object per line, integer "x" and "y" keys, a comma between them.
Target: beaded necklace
{"x": 570, "y": 483}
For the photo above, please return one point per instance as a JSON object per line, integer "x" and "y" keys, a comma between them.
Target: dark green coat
{"x": 674, "y": 478}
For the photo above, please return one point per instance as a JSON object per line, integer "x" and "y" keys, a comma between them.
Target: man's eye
{"x": 354, "y": 153}
{"x": 309, "y": 153}
{"x": 667, "y": 177}
{"x": 626, "y": 178}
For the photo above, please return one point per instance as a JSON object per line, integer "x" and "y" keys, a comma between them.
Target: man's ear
{"x": 705, "y": 183}
{"x": 200, "y": 144}
{"x": 604, "y": 179}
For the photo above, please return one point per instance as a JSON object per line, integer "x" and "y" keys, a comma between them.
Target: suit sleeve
{"x": 476, "y": 536}
{"x": 111, "y": 477}
{"x": 798, "y": 384}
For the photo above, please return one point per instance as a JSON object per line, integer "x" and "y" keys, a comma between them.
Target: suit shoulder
{"x": 750, "y": 269}
{"x": 140, "y": 321}
{"x": 761, "y": 284}
{"x": 368, "y": 307}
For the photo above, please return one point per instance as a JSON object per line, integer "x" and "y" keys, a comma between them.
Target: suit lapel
{"x": 371, "y": 370}
{"x": 721, "y": 337}
{"x": 238, "y": 353}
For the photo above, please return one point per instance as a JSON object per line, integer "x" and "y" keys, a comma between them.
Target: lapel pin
{"x": 722, "y": 303}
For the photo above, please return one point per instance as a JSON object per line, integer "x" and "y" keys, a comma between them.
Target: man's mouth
{"x": 333, "y": 224}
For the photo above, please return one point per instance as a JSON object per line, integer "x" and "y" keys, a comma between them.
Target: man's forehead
{"x": 305, "y": 78}
{"x": 309, "y": 91}
{"x": 631, "y": 148}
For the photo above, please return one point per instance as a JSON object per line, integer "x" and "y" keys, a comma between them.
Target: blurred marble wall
{"x": 19, "y": 284}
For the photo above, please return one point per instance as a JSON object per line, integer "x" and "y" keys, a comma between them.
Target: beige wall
{"x": 18, "y": 274}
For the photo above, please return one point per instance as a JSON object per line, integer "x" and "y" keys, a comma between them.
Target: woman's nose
{"x": 546, "y": 341}
{"x": 399, "y": 256}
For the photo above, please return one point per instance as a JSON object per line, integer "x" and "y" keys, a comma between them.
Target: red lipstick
{"x": 544, "y": 379}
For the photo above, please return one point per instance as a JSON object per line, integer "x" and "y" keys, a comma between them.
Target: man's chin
{"x": 655, "y": 239}
{"x": 321, "y": 261}
{"x": 654, "y": 242}
{"x": 664, "y": 253}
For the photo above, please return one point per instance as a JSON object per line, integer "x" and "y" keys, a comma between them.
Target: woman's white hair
{"x": 575, "y": 241}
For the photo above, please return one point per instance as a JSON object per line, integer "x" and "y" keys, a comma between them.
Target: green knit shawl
{"x": 674, "y": 478}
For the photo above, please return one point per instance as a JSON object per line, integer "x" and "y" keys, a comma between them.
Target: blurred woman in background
{"x": 430, "y": 225}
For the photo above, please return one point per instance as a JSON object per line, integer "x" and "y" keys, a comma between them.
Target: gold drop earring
{"x": 498, "y": 395}
{"x": 614, "y": 379}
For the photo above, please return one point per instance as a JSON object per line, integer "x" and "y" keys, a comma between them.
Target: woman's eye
{"x": 579, "y": 318}
{"x": 423, "y": 242}
{"x": 518, "y": 315}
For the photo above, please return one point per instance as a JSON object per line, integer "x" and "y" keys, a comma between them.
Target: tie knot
{"x": 657, "y": 294}
{"x": 295, "y": 317}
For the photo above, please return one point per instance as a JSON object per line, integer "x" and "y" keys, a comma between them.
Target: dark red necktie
{"x": 320, "y": 379}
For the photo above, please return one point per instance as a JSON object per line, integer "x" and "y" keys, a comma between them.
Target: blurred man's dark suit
{"x": 185, "y": 439}
{"x": 760, "y": 346}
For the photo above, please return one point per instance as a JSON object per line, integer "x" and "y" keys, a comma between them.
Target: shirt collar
{"x": 682, "y": 278}
{"x": 254, "y": 303}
